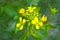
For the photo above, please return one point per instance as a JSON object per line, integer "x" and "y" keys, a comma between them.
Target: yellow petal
{"x": 21, "y": 27}
{"x": 37, "y": 26}
{"x": 20, "y": 19}
{"x": 33, "y": 22}
{"x": 18, "y": 24}
{"x": 40, "y": 23}
{"x": 36, "y": 19}
{"x": 30, "y": 9}
{"x": 44, "y": 18}
{"x": 22, "y": 10}
{"x": 24, "y": 20}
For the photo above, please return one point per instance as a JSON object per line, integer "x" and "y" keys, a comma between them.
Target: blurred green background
{"x": 9, "y": 15}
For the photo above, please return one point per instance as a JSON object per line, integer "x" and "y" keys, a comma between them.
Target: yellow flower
{"x": 33, "y": 22}
{"x": 21, "y": 27}
{"x": 18, "y": 24}
{"x": 37, "y": 26}
{"x": 36, "y": 19}
{"x": 44, "y": 18}
{"x": 22, "y": 11}
{"x": 40, "y": 23}
{"x": 20, "y": 19}
{"x": 53, "y": 10}
{"x": 30, "y": 9}
{"x": 24, "y": 20}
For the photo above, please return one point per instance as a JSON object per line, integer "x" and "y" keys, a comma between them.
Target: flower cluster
{"x": 32, "y": 16}
{"x": 39, "y": 22}
{"x": 21, "y": 23}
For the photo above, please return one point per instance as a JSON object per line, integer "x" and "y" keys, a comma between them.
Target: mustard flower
{"x": 22, "y": 11}
{"x": 18, "y": 24}
{"x": 21, "y": 23}
{"x": 40, "y": 23}
{"x": 35, "y": 20}
{"x": 22, "y": 20}
{"x": 21, "y": 27}
{"x": 44, "y": 18}
{"x": 37, "y": 26}
{"x": 31, "y": 9}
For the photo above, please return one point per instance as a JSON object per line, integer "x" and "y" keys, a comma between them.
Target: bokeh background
{"x": 8, "y": 18}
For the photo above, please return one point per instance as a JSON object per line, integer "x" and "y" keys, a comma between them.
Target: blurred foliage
{"x": 9, "y": 16}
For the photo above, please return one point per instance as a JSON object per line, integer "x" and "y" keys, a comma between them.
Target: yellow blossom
{"x": 21, "y": 27}
{"x": 18, "y": 24}
{"x": 30, "y": 9}
{"x": 22, "y": 11}
{"x": 53, "y": 10}
{"x": 36, "y": 19}
{"x": 33, "y": 22}
{"x": 37, "y": 26}
{"x": 44, "y": 18}
{"x": 24, "y": 20}
{"x": 20, "y": 19}
{"x": 40, "y": 23}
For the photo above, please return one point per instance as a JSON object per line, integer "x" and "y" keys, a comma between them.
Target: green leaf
{"x": 24, "y": 35}
{"x": 36, "y": 35}
{"x": 11, "y": 26}
{"x": 10, "y": 12}
{"x": 35, "y": 2}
